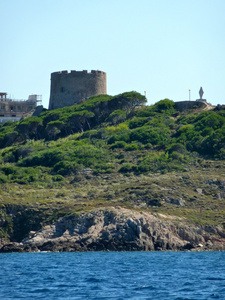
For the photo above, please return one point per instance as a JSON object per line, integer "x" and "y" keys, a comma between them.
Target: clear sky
{"x": 163, "y": 47}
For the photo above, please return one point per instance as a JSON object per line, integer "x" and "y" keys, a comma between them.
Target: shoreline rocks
{"x": 118, "y": 229}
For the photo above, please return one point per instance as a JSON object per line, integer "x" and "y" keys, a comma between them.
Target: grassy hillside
{"x": 112, "y": 151}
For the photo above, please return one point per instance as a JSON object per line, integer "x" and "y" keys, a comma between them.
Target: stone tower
{"x": 69, "y": 88}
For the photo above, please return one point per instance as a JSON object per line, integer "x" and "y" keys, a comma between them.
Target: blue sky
{"x": 163, "y": 47}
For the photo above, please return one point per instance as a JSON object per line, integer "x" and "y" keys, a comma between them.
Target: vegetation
{"x": 113, "y": 151}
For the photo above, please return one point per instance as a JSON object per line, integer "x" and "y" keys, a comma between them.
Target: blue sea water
{"x": 113, "y": 275}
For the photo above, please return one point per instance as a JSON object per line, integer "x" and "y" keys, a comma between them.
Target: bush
{"x": 186, "y": 119}
{"x": 188, "y": 136}
{"x": 163, "y": 162}
{"x": 115, "y": 129}
{"x": 88, "y": 155}
{"x": 57, "y": 178}
{"x": 8, "y": 169}
{"x": 22, "y": 175}
{"x": 46, "y": 158}
{"x": 66, "y": 168}
{"x": 122, "y": 136}
{"x": 118, "y": 144}
{"x": 176, "y": 147}
{"x": 146, "y": 111}
{"x": 164, "y": 105}
{"x": 22, "y": 152}
{"x": 176, "y": 156}
{"x": 131, "y": 147}
{"x": 209, "y": 119}
{"x": 117, "y": 116}
{"x": 221, "y": 153}
{"x": 3, "y": 178}
{"x": 148, "y": 146}
{"x": 138, "y": 122}
{"x": 126, "y": 168}
{"x": 93, "y": 134}
{"x": 103, "y": 168}
{"x": 147, "y": 134}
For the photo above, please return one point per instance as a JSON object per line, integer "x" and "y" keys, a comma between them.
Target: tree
{"x": 164, "y": 105}
{"x": 79, "y": 120}
{"x": 117, "y": 116}
{"x": 30, "y": 128}
{"x": 128, "y": 102}
{"x": 53, "y": 129}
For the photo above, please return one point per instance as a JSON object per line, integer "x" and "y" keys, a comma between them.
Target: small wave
{"x": 41, "y": 290}
{"x": 215, "y": 278}
{"x": 215, "y": 296}
{"x": 145, "y": 287}
{"x": 188, "y": 284}
{"x": 182, "y": 298}
{"x": 186, "y": 290}
{"x": 93, "y": 279}
{"x": 63, "y": 285}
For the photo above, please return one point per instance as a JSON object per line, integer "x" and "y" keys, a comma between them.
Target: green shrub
{"x": 164, "y": 105}
{"x": 209, "y": 119}
{"x": 66, "y": 168}
{"x": 89, "y": 155}
{"x": 176, "y": 147}
{"x": 57, "y": 178}
{"x": 146, "y": 111}
{"x": 123, "y": 136}
{"x": 22, "y": 152}
{"x": 3, "y": 178}
{"x": 161, "y": 162}
{"x": 131, "y": 147}
{"x": 126, "y": 168}
{"x": 186, "y": 119}
{"x": 22, "y": 175}
{"x": 93, "y": 134}
{"x": 8, "y": 169}
{"x": 148, "y": 146}
{"x": 117, "y": 116}
{"x": 47, "y": 158}
{"x": 176, "y": 156}
{"x": 138, "y": 122}
{"x": 103, "y": 168}
{"x": 118, "y": 144}
{"x": 221, "y": 153}
{"x": 146, "y": 134}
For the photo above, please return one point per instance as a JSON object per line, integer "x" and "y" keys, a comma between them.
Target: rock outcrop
{"x": 118, "y": 229}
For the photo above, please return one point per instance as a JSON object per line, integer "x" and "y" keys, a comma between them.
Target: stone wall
{"x": 69, "y": 88}
{"x": 185, "y": 105}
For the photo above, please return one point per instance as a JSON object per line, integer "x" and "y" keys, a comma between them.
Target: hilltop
{"x": 114, "y": 156}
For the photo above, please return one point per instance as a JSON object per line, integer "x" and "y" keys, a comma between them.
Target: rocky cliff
{"x": 120, "y": 229}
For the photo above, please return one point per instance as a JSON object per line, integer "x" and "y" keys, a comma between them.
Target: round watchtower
{"x": 69, "y": 88}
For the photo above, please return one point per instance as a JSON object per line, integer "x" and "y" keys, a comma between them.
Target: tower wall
{"x": 69, "y": 88}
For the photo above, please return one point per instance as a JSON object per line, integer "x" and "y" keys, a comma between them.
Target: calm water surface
{"x": 113, "y": 275}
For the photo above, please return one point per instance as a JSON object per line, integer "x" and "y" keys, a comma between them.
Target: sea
{"x": 113, "y": 275}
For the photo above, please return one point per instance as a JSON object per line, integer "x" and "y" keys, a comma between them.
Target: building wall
{"x": 11, "y": 110}
{"x": 69, "y": 88}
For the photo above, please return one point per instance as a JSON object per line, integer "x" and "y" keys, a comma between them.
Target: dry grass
{"x": 201, "y": 190}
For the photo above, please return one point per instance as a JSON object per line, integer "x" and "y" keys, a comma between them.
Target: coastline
{"x": 119, "y": 229}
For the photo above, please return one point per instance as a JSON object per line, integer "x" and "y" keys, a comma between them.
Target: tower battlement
{"x": 68, "y": 88}
{"x": 78, "y": 72}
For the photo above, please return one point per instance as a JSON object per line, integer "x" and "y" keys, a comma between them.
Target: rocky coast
{"x": 120, "y": 229}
